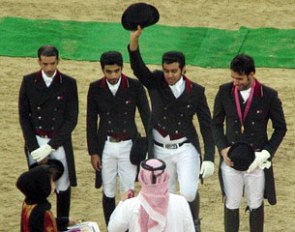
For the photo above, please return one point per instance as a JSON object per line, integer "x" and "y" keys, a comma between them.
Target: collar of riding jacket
{"x": 188, "y": 84}
{"x": 257, "y": 89}
{"x": 124, "y": 82}
{"x": 57, "y": 78}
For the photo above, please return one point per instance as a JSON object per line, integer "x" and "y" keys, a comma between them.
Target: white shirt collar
{"x": 48, "y": 80}
{"x": 114, "y": 88}
{"x": 178, "y": 87}
{"x": 245, "y": 94}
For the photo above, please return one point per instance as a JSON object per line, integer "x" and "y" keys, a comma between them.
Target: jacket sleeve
{"x": 277, "y": 117}
{"x": 143, "y": 108}
{"x": 205, "y": 119}
{"x": 140, "y": 70}
{"x": 91, "y": 123}
{"x": 24, "y": 110}
{"x": 218, "y": 123}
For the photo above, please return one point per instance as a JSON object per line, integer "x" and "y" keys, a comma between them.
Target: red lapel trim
{"x": 257, "y": 89}
{"x": 57, "y": 78}
{"x": 124, "y": 82}
{"x": 188, "y": 84}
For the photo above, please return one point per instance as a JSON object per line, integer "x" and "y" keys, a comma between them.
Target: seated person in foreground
{"x": 37, "y": 184}
{"x": 154, "y": 209}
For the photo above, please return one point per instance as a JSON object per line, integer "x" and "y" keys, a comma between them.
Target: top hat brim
{"x": 54, "y": 164}
{"x": 139, "y": 14}
{"x": 242, "y": 155}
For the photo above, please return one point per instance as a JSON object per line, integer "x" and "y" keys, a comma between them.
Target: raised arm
{"x": 134, "y": 39}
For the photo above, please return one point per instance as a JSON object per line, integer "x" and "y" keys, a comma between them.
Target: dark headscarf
{"x": 35, "y": 184}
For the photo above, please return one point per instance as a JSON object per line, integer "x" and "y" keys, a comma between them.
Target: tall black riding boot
{"x": 195, "y": 210}
{"x": 109, "y": 204}
{"x": 257, "y": 219}
{"x": 63, "y": 203}
{"x": 231, "y": 220}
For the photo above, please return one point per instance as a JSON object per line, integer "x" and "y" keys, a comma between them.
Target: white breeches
{"x": 116, "y": 162}
{"x": 236, "y": 182}
{"x": 183, "y": 164}
{"x": 63, "y": 183}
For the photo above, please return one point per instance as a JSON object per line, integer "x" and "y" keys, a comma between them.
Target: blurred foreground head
{"x": 152, "y": 172}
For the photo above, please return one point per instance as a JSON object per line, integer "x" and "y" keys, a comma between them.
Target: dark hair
{"x": 174, "y": 56}
{"x": 242, "y": 64}
{"x": 111, "y": 58}
{"x": 47, "y": 50}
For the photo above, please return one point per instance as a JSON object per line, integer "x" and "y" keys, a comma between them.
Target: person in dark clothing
{"x": 48, "y": 114}
{"x": 172, "y": 135}
{"x": 242, "y": 110}
{"x": 113, "y": 101}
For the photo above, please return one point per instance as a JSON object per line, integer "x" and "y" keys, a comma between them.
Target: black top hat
{"x": 56, "y": 167}
{"x": 242, "y": 155}
{"x": 139, "y": 14}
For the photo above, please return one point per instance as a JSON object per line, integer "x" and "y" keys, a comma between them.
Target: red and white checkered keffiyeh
{"x": 153, "y": 198}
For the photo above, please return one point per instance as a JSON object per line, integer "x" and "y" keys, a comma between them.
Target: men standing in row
{"x": 172, "y": 135}
{"x": 48, "y": 113}
{"x": 245, "y": 107}
{"x": 113, "y": 100}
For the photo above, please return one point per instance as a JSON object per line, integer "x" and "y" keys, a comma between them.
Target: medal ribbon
{"x": 241, "y": 116}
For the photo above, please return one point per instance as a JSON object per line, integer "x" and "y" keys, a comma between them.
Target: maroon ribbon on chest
{"x": 242, "y": 116}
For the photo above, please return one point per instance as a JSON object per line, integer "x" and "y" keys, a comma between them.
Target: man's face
{"x": 112, "y": 73}
{"x": 242, "y": 81}
{"x": 172, "y": 72}
{"x": 48, "y": 64}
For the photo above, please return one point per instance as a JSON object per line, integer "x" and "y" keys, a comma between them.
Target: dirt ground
{"x": 86, "y": 200}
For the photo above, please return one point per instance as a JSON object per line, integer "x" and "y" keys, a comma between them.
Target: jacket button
{"x": 39, "y": 117}
{"x": 38, "y": 108}
{"x": 109, "y": 122}
{"x": 164, "y": 117}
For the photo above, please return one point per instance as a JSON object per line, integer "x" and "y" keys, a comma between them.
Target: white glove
{"x": 207, "y": 169}
{"x": 261, "y": 161}
{"x": 42, "y": 152}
